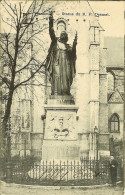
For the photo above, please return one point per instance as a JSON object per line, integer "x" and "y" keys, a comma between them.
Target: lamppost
{"x": 96, "y": 132}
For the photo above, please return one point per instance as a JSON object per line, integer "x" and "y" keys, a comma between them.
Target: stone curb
{"x": 52, "y": 187}
{"x": 85, "y": 187}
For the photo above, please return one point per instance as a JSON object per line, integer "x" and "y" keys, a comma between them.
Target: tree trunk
{"x": 7, "y": 112}
{"x": 7, "y": 137}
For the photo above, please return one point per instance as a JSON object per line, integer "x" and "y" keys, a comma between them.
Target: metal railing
{"x": 85, "y": 172}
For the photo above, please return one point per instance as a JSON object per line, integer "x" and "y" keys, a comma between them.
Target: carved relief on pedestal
{"x": 60, "y": 125}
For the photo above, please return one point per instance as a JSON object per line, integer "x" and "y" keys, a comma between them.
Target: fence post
{"x": 8, "y": 172}
{"x": 108, "y": 171}
{"x": 74, "y": 171}
{"x": 40, "y": 171}
{"x": 71, "y": 169}
{"x": 90, "y": 167}
{"x": 53, "y": 170}
{"x": 43, "y": 168}
{"x": 60, "y": 170}
{"x": 97, "y": 168}
{"x": 67, "y": 170}
{"x": 49, "y": 169}
{"x": 84, "y": 168}
{"x": 46, "y": 171}
{"x": 87, "y": 165}
{"x": 64, "y": 169}
{"x": 93, "y": 170}
{"x": 8, "y": 153}
{"x": 81, "y": 168}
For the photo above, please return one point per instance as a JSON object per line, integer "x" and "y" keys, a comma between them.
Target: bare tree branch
{"x": 33, "y": 74}
{"x": 8, "y": 11}
{"x": 9, "y": 55}
{"x": 25, "y": 66}
{"x": 9, "y": 5}
{"x": 33, "y": 15}
{"x": 6, "y": 81}
{"x": 8, "y": 24}
{"x": 33, "y": 84}
{"x": 31, "y": 38}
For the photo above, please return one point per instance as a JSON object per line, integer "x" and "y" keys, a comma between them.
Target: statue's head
{"x": 63, "y": 36}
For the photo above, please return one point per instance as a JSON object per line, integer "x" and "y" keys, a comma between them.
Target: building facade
{"x": 97, "y": 89}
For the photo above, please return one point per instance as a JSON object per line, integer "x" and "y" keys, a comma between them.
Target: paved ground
{"x": 13, "y": 189}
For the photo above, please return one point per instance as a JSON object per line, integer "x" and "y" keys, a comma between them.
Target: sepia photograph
{"x": 62, "y": 97}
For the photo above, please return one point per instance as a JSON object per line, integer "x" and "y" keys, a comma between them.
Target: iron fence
{"x": 85, "y": 172}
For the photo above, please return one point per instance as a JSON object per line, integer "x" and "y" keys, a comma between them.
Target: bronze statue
{"x": 60, "y": 61}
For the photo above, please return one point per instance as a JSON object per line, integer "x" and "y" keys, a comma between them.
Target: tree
{"x": 13, "y": 46}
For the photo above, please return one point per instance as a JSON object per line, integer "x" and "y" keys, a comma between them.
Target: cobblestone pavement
{"x": 11, "y": 189}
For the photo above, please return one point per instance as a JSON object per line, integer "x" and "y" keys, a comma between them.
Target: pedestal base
{"x": 61, "y": 136}
{"x": 61, "y": 100}
{"x": 60, "y": 150}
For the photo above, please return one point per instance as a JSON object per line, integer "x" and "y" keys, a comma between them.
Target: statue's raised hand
{"x": 75, "y": 40}
{"x": 76, "y": 36}
{"x": 51, "y": 14}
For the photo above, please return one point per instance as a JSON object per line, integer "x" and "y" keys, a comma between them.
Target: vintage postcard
{"x": 62, "y": 97}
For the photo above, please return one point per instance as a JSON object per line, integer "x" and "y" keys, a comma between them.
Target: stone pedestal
{"x": 60, "y": 150}
{"x": 61, "y": 136}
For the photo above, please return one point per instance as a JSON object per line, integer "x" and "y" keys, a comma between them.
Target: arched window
{"x": 111, "y": 82}
{"x": 114, "y": 123}
{"x": 61, "y": 25}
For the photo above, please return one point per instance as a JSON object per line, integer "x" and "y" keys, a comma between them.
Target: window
{"x": 114, "y": 123}
{"x": 26, "y": 114}
{"x": 94, "y": 34}
{"x": 111, "y": 82}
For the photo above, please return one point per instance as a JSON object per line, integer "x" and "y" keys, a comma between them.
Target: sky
{"x": 113, "y": 24}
